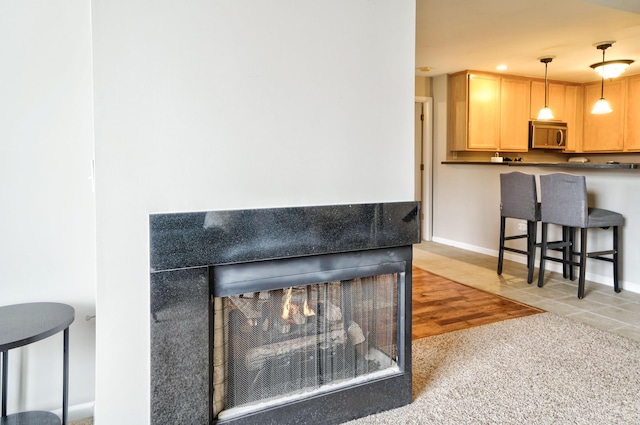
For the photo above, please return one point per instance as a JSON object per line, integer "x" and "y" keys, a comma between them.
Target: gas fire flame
{"x": 288, "y": 308}
{"x": 307, "y": 310}
{"x": 287, "y": 304}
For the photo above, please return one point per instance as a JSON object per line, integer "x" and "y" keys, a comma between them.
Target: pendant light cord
{"x": 545, "y": 84}
{"x": 603, "y": 67}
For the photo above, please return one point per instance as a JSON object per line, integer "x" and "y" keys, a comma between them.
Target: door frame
{"x": 427, "y": 162}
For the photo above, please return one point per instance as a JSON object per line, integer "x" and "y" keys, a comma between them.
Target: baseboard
{"x": 77, "y": 411}
{"x": 555, "y": 267}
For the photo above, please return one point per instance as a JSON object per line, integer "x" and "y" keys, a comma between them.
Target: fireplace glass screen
{"x": 278, "y": 345}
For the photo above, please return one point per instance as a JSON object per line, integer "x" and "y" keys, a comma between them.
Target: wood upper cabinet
{"x": 474, "y": 112}
{"x": 632, "y": 122}
{"x": 484, "y": 112}
{"x": 514, "y": 113}
{"x": 566, "y": 102}
{"x": 488, "y": 112}
{"x": 457, "y": 106}
{"x": 555, "y": 99}
{"x": 605, "y": 132}
{"x": 572, "y": 115}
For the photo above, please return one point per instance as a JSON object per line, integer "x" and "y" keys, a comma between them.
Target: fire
{"x": 293, "y": 310}
{"x": 287, "y": 304}
{"x": 307, "y": 310}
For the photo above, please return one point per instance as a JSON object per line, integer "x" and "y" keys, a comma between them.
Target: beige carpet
{"x": 540, "y": 369}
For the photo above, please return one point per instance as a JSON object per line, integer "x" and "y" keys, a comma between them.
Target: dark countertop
{"x": 582, "y": 165}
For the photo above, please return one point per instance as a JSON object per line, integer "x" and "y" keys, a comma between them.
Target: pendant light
{"x": 602, "y": 106}
{"x": 610, "y": 69}
{"x": 545, "y": 113}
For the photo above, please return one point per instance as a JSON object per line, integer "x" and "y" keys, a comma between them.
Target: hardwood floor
{"x": 441, "y": 305}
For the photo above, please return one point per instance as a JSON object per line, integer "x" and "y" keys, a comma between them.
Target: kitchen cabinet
{"x": 604, "y": 132}
{"x": 514, "y": 110}
{"x": 565, "y": 101}
{"x": 457, "y": 106}
{"x": 632, "y": 121}
{"x": 555, "y": 99}
{"x": 488, "y": 112}
{"x": 572, "y": 115}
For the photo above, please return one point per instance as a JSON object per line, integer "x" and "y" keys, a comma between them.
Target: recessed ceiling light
{"x": 501, "y": 67}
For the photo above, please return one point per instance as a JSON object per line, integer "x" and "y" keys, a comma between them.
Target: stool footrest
{"x": 598, "y": 254}
{"x": 519, "y": 251}
{"x": 513, "y": 237}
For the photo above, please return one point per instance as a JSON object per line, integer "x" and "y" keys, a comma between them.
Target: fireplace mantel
{"x": 184, "y": 247}
{"x": 185, "y": 240}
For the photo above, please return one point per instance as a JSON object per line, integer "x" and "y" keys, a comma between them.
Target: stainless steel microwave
{"x": 547, "y": 135}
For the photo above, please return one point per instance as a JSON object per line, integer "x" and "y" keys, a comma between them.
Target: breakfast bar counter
{"x": 580, "y": 165}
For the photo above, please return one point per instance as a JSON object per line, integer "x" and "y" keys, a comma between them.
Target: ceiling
{"x": 455, "y": 35}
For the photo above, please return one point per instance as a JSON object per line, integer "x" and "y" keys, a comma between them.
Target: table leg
{"x": 5, "y": 369}
{"x": 65, "y": 378}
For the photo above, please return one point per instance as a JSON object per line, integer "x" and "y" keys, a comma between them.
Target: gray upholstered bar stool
{"x": 519, "y": 200}
{"x": 564, "y": 202}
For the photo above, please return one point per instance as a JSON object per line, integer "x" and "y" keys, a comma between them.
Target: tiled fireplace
{"x": 284, "y": 315}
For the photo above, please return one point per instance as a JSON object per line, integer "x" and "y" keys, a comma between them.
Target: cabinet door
{"x": 573, "y": 117}
{"x": 514, "y": 115}
{"x": 484, "y": 112}
{"x": 604, "y": 133}
{"x": 632, "y": 124}
{"x": 458, "y": 112}
{"x": 555, "y": 99}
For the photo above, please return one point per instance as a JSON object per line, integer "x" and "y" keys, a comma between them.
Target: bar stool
{"x": 564, "y": 202}
{"x": 519, "y": 200}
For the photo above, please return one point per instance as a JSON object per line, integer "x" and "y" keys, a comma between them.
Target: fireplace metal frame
{"x": 348, "y": 402}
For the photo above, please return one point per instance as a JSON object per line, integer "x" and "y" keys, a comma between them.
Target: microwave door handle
{"x": 560, "y": 138}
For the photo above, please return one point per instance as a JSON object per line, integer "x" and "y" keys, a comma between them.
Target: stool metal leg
{"x": 616, "y": 283}
{"x": 532, "y": 231}
{"x": 65, "y": 378}
{"x": 5, "y": 368}
{"x": 543, "y": 253}
{"x": 501, "y": 248}
{"x": 568, "y": 252}
{"x": 583, "y": 261}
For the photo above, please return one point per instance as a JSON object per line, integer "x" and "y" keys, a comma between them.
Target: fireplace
{"x": 285, "y": 315}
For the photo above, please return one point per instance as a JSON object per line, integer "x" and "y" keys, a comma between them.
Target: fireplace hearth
{"x": 284, "y": 315}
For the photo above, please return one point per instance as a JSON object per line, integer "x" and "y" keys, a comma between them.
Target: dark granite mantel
{"x": 184, "y": 240}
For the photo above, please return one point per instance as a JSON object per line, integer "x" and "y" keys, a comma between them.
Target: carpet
{"x": 539, "y": 369}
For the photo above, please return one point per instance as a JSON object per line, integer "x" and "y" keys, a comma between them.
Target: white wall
{"x": 47, "y": 219}
{"x": 203, "y": 105}
{"x": 467, "y": 204}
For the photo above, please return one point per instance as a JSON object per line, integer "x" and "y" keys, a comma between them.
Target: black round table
{"x": 23, "y": 324}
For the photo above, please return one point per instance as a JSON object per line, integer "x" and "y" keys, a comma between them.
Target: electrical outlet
{"x": 522, "y": 226}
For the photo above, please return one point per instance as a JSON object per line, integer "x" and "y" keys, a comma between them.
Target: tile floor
{"x": 601, "y": 307}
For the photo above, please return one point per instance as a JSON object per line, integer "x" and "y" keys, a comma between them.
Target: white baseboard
{"x": 77, "y": 411}
{"x": 555, "y": 267}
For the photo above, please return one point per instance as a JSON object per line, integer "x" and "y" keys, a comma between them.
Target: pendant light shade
{"x": 611, "y": 69}
{"x": 602, "y": 106}
{"x": 545, "y": 113}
